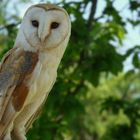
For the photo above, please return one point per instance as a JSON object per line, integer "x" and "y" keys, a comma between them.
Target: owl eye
{"x": 54, "y": 25}
{"x": 35, "y": 23}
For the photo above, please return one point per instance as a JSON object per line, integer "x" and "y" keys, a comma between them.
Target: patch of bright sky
{"x": 131, "y": 39}
{"x": 133, "y": 36}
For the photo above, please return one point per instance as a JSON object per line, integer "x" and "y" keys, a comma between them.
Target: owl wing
{"x": 16, "y": 69}
{"x": 38, "y": 112}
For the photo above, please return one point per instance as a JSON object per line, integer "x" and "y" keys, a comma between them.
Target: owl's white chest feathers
{"x": 45, "y": 71}
{"x": 43, "y": 78}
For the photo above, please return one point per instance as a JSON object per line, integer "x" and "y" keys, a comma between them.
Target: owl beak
{"x": 44, "y": 28}
{"x": 43, "y": 33}
{"x": 43, "y": 36}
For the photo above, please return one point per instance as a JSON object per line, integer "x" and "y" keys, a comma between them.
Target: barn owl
{"x": 28, "y": 71}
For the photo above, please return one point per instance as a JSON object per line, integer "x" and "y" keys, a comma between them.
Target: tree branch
{"x": 82, "y": 54}
{"x": 96, "y": 19}
{"x": 9, "y": 25}
{"x": 69, "y": 3}
{"x": 78, "y": 88}
{"x": 92, "y": 14}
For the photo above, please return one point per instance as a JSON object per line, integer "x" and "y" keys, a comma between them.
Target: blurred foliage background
{"x": 94, "y": 97}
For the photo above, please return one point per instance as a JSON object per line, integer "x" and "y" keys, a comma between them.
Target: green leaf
{"x": 134, "y": 5}
{"x": 136, "y": 60}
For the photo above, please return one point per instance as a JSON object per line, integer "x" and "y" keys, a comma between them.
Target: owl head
{"x": 44, "y": 26}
